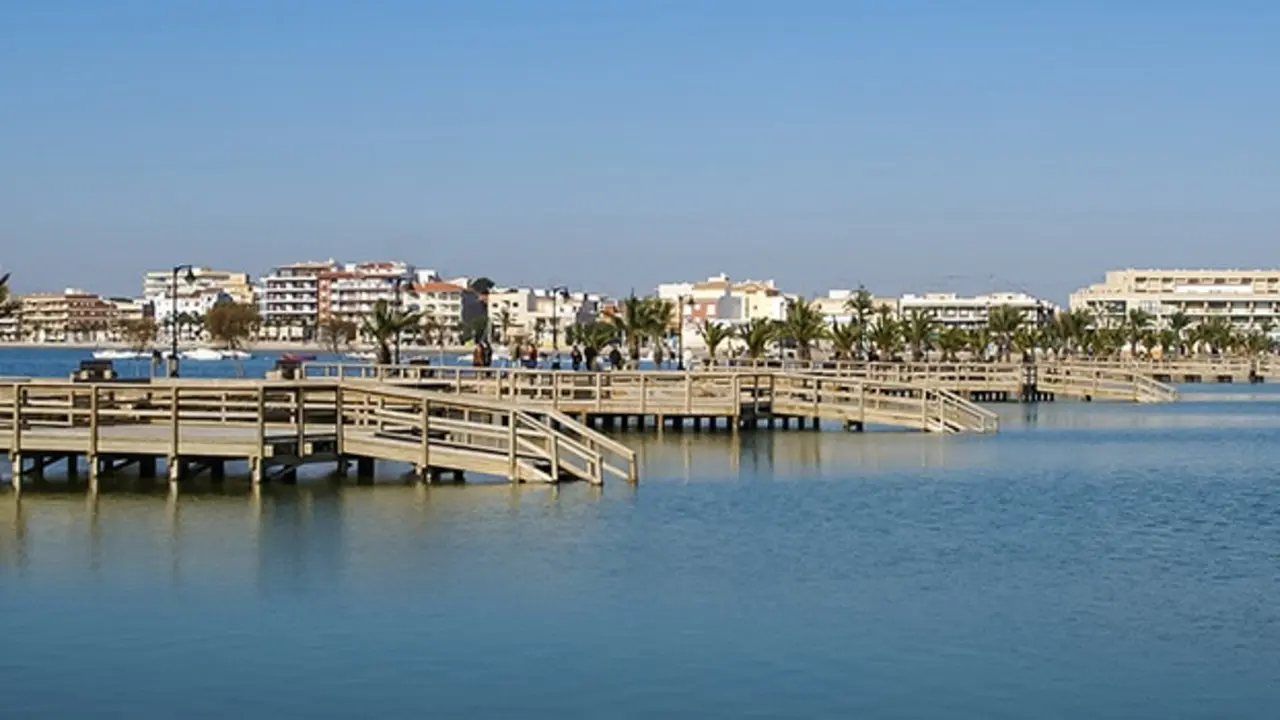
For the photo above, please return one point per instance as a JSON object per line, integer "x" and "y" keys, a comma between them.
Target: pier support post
{"x": 73, "y": 464}
{"x": 218, "y": 470}
{"x": 147, "y": 466}
{"x": 16, "y": 463}
{"x": 365, "y": 466}
{"x": 697, "y": 423}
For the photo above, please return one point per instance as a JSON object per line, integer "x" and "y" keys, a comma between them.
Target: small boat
{"x": 235, "y": 355}
{"x": 202, "y": 355}
{"x": 297, "y": 357}
{"x": 366, "y": 355}
{"x": 118, "y": 355}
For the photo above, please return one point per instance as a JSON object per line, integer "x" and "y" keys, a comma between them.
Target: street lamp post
{"x": 173, "y": 315}
{"x": 557, "y": 292}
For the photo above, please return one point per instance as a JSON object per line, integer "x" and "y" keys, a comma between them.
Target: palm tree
{"x": 951, "y": 340}
{"x": 803, "y": 326}
{"x": 846, "y": 339}
{"x": 1178, "y": 324}
{"x": 978, "y": 340}
{"x": 661, "y": 314}
{"x": 639, "y": 320}
{"x": 1136, "y": 324}
{"x": 593, "y": 337}
{"x": 504, "y": 323}
{"x": 7, "y": 305}
{"x": 861, "y": 305}
{"x": 385, "y": 324}
{"x": 1003, "y": 321}
{"x": 756, "y": 336}
{"x": 1069, "y": 329}
{"x": 918, "y": 331}
{"x": 886, "y": 335}
{"x": 713, "y": 334}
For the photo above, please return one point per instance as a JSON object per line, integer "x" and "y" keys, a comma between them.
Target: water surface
{"x": 1100, "y": 561}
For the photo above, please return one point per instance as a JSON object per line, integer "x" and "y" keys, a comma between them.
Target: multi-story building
{"x": 538, "y": 314}
{"x": 69, "y": 316}
{"x": 1245, "y": 297}
{"x": 719, "y": 299}
{"x": 835, "y": 306}
{"x": 452, "y": 307}
{"x": 289, "y": 300}
{"x": 200, "y": 281}
{"x": 952, "y": 310}
{"x": 350, "y": 292}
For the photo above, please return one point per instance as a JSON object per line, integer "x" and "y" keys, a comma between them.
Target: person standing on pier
{"x": 575, "y": 358}
{"x": 615, "y": 358}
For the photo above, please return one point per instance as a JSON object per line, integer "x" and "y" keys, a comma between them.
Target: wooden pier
{"x": 991, "y": 381}
{"x": 276, "y": 427}
{"x": 732, "y": 398}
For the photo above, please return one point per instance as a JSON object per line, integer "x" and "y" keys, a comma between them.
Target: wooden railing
{"x": 887, "y": 394}
{"x": 255, "y": 420}
{"x": 852, "y": 399}
{"x": 1102, "y": 383}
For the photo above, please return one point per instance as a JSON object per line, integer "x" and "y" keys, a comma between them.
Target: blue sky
{"x": 906, "y": 145}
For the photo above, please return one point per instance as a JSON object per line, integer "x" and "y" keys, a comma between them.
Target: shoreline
{"x": 266, "y": 347}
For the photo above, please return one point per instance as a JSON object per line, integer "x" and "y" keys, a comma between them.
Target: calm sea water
{"x": 1090, "y": 561}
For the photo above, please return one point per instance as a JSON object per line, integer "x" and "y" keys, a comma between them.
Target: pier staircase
{"x": 916, "y": 405}
{"x": 1090, "y": 381}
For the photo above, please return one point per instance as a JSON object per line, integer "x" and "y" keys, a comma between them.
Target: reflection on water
{"x": 1088, "y": 561}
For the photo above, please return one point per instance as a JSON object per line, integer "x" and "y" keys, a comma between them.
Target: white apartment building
{"x": 952, "y": 310}
{"x": 160, "y": 283}
{"x": 723, "y": 301}
{"x": 196, "y": 302}
{"x": 450, "y": 306}
{"x": 289, "y": 300}
{"x": 538, "y": 314}
{"x": 1245, "y": 297}
{"x": 835, "y": 306}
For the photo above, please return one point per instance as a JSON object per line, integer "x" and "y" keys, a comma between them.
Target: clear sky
{"x": 907, "y": 145}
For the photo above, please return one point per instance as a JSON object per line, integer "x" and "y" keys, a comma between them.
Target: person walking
{"x": 615, "y": 358}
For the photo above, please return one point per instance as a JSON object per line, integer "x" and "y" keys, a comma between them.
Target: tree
{"x": 593, "y": 337}
{"x": 918, "y": 331}
{"x": 861, "y": 305}
{"x": 139, "y": 334}
{"x": 1136, "y": 325}
{"x": 503, "y": 324}
{"x": 481, "y": 285}
{"x": 1179, "y": 322}
{"x": 950, "y": 341}
{"x": 476, "y": 328}
{"x": 386, "y": 323}
{"x": 846, "y": 339}
{"x": 640, "y": 320}
{"x": 1004, "y": 321}
{"x": 756, "y": 336}
{"x": 337, "y": 334}
{"x": 714, "y": 334}
{"x": 803, "y": 327}
{"x": 886, "y": 334}
{"x": 232, "y": 324}
{"x": 8, "y": 305}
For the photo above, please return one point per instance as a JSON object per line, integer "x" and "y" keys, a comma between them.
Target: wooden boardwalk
{"x": 275, "y": 427}
{"x": 732, "y": 397}
{"x": 992, "y": 381}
